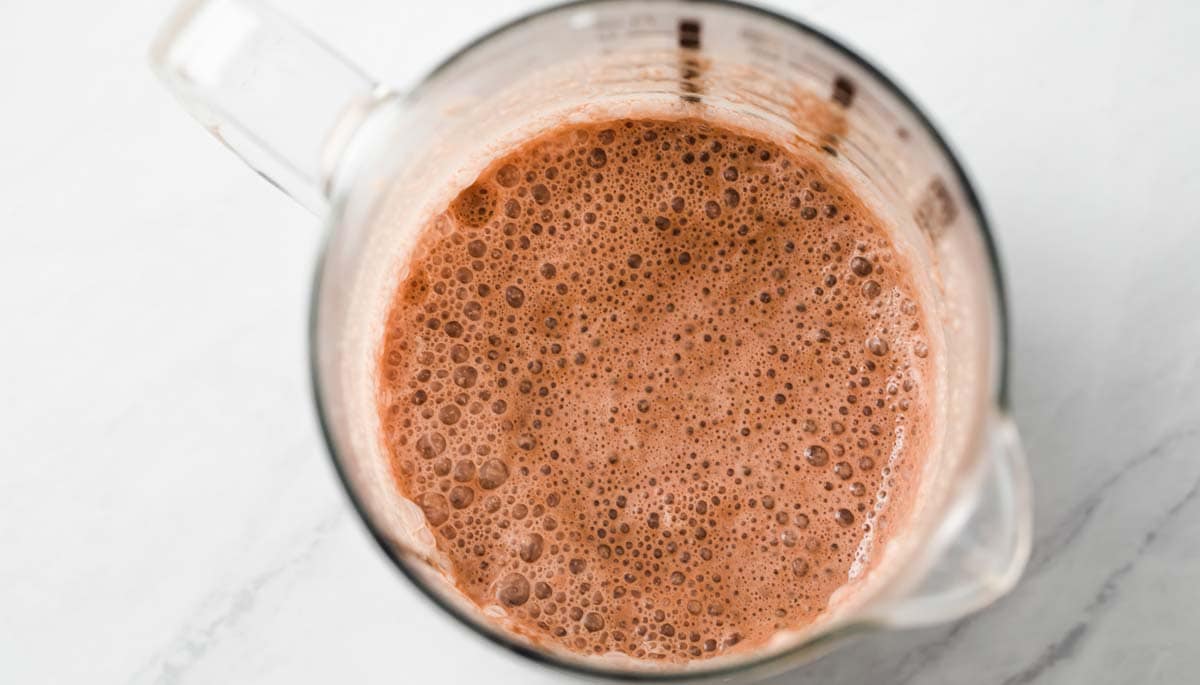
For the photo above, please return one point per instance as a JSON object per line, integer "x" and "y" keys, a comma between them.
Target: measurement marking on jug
{"x": 843, "y": 91}
{"x": 690, "y": 67}
{"x": 935, "y": 209}
{"x": 689, "y": 34}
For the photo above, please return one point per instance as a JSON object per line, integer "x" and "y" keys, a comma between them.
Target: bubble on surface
{"x": 492, "y": 474}
{"x": 513, "y": 590}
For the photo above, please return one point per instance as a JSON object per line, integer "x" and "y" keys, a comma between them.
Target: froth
{"x": 652, "y": 384}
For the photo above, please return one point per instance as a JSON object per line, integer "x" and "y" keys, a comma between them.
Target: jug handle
{"x": 277, "y": 96}
{"x": 983, "y": 543}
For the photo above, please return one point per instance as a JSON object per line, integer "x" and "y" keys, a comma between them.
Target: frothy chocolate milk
{"x": 656, "y": 386}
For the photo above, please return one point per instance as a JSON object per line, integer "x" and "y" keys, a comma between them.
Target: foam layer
{"x": 652, "y": 384}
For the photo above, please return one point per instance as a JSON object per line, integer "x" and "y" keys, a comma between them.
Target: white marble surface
{"x": 167, "y": 510}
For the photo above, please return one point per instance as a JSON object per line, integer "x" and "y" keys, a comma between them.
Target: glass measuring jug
{"x": 344, "y": 146}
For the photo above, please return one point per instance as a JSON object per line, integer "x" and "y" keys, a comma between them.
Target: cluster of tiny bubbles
{"x": 646, "y": 388}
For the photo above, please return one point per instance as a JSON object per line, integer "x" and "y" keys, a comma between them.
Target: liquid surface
{"x": 655, "y": 386}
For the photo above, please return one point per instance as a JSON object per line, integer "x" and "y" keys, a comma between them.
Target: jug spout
{"x": 269, "y": 90}
{"x": 983, "y": 544}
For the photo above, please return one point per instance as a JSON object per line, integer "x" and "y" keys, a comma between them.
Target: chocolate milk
{"x": 656, "y": 386}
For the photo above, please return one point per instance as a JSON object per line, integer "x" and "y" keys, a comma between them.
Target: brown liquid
{"x": 651, "y": 383}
